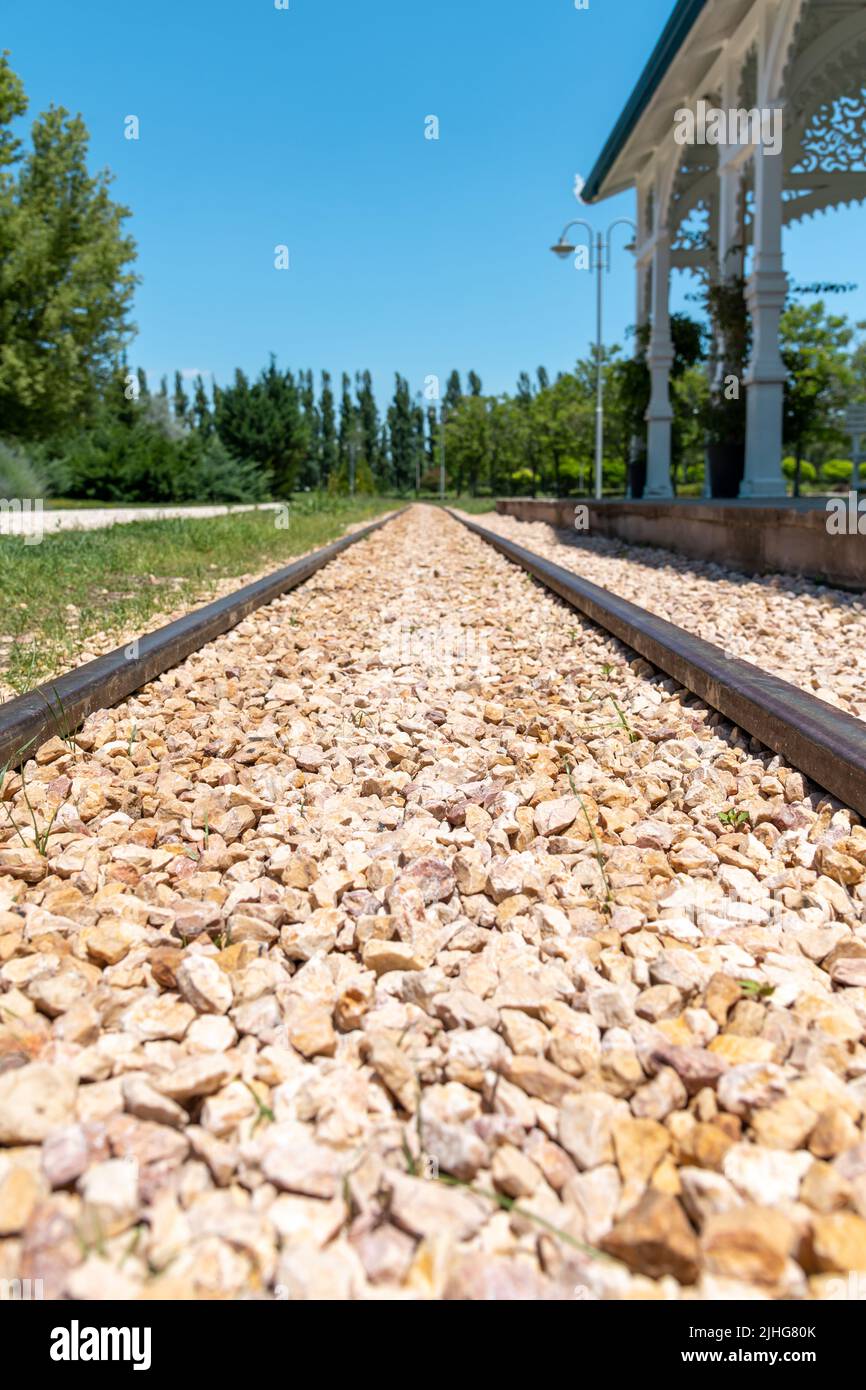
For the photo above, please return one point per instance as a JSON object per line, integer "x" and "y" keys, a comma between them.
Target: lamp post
{"x": 599, "y": 259}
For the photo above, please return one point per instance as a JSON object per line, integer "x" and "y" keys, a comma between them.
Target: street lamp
{"x": 564, "y": 249}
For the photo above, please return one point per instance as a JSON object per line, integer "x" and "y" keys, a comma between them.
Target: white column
{"x": 765, "y": 294}
{"x": 659, "y": 359}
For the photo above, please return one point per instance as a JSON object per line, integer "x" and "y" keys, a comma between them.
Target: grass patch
{"x": 112, "y": 580}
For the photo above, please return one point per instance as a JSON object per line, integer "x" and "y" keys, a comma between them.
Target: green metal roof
{"x": 674, "y": 35}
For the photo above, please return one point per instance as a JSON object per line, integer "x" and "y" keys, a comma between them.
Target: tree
{"x": 524, "y": 402}
{"x": 368, "y": 417}
{"x": 563, "y": 419}
{"x": 347, "y": 421}
{"x": 65, "y": 282}
{"x": 310, "y": 475}
{"x": 329, "y": 453}
{"x": 264, "y": 423}
{"x": 13, "y": 103}
{"x": 401, "y": 436}
{"x": 453, "y": 392}
{"x": 418, "y": 441}
{"x": 201, "y": 410}
{"x": 858, "y": 366}
{"x": 469, "y": 443}
{"x": 180, "y": 401}
{"x": 473, "y": 381}
{"x": 508, "y": 425}
{"x": 819, "y": 380}
{"x": 432, "y": 460}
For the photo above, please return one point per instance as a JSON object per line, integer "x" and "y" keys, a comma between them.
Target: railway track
{"x": 827, "y": 744}
{"x": 59, "y": 706}
{"x": 413, "y": 938}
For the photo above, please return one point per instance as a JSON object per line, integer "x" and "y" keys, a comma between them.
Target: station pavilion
{"x": 716, "y": 208}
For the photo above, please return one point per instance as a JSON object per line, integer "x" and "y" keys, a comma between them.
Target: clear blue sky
{"x": 306, "y": 127}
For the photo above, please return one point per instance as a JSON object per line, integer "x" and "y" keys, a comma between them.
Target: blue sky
{"x": 305, "y": 127}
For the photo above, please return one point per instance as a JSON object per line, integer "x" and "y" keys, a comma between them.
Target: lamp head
{"x": 563, "y": 249}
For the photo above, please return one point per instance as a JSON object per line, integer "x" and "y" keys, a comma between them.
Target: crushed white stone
{"x": 807, "y": 633}
{"x": 415, "y": 875}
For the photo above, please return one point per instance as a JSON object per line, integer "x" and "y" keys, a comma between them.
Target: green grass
{"x": 58, "y": 594}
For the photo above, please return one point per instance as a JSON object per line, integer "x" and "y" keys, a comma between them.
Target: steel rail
{"x": 61, "y": 705}
{"x": 826, "y": 744}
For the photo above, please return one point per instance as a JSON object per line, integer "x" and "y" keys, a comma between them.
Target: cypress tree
{"x": 347, "y": 422}
{"x": 201, "y": 409}
{"x": 418, "y": 442}
{"x": 311, "y": 475}
{"x": 400, "y": 432}
{"x": 180, "y": 401}
{"x": 453, "y": 393}
{"x": 329, "y": 455}
{"x": 432, "y": 438}
{"x": 368, "y": 416}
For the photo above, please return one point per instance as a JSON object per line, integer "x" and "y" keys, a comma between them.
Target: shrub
{"x": 521, "y": 482}
{"x": 19, "y": 476}
{"x": 837, "y": 471}
{"x": 365, "y": 483}
{"x": 207, "y": 472}
{"x": 115, "y": 462}
{"x": 808, "y": 471}
{"x": 140, "y": 462}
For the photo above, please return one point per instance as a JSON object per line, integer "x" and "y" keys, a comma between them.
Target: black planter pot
{"x": 637, "y": 476}
{"x": 727, "y": 464}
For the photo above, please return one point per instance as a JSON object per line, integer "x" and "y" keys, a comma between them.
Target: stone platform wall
{"x": 754, "y": 538}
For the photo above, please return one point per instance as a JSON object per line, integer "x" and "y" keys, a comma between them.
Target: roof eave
{"x": 673, "y": 36}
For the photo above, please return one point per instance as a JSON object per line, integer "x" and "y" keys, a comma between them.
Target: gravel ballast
{"x": 416, "y": 940}
{"x": 809, "y": 634}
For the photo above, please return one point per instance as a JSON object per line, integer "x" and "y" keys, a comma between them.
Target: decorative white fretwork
{"x": 835, "y": 138}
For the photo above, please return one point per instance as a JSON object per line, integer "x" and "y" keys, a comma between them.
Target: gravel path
{"x": 413, "y": 876}
{"x": 810, "y": 635}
